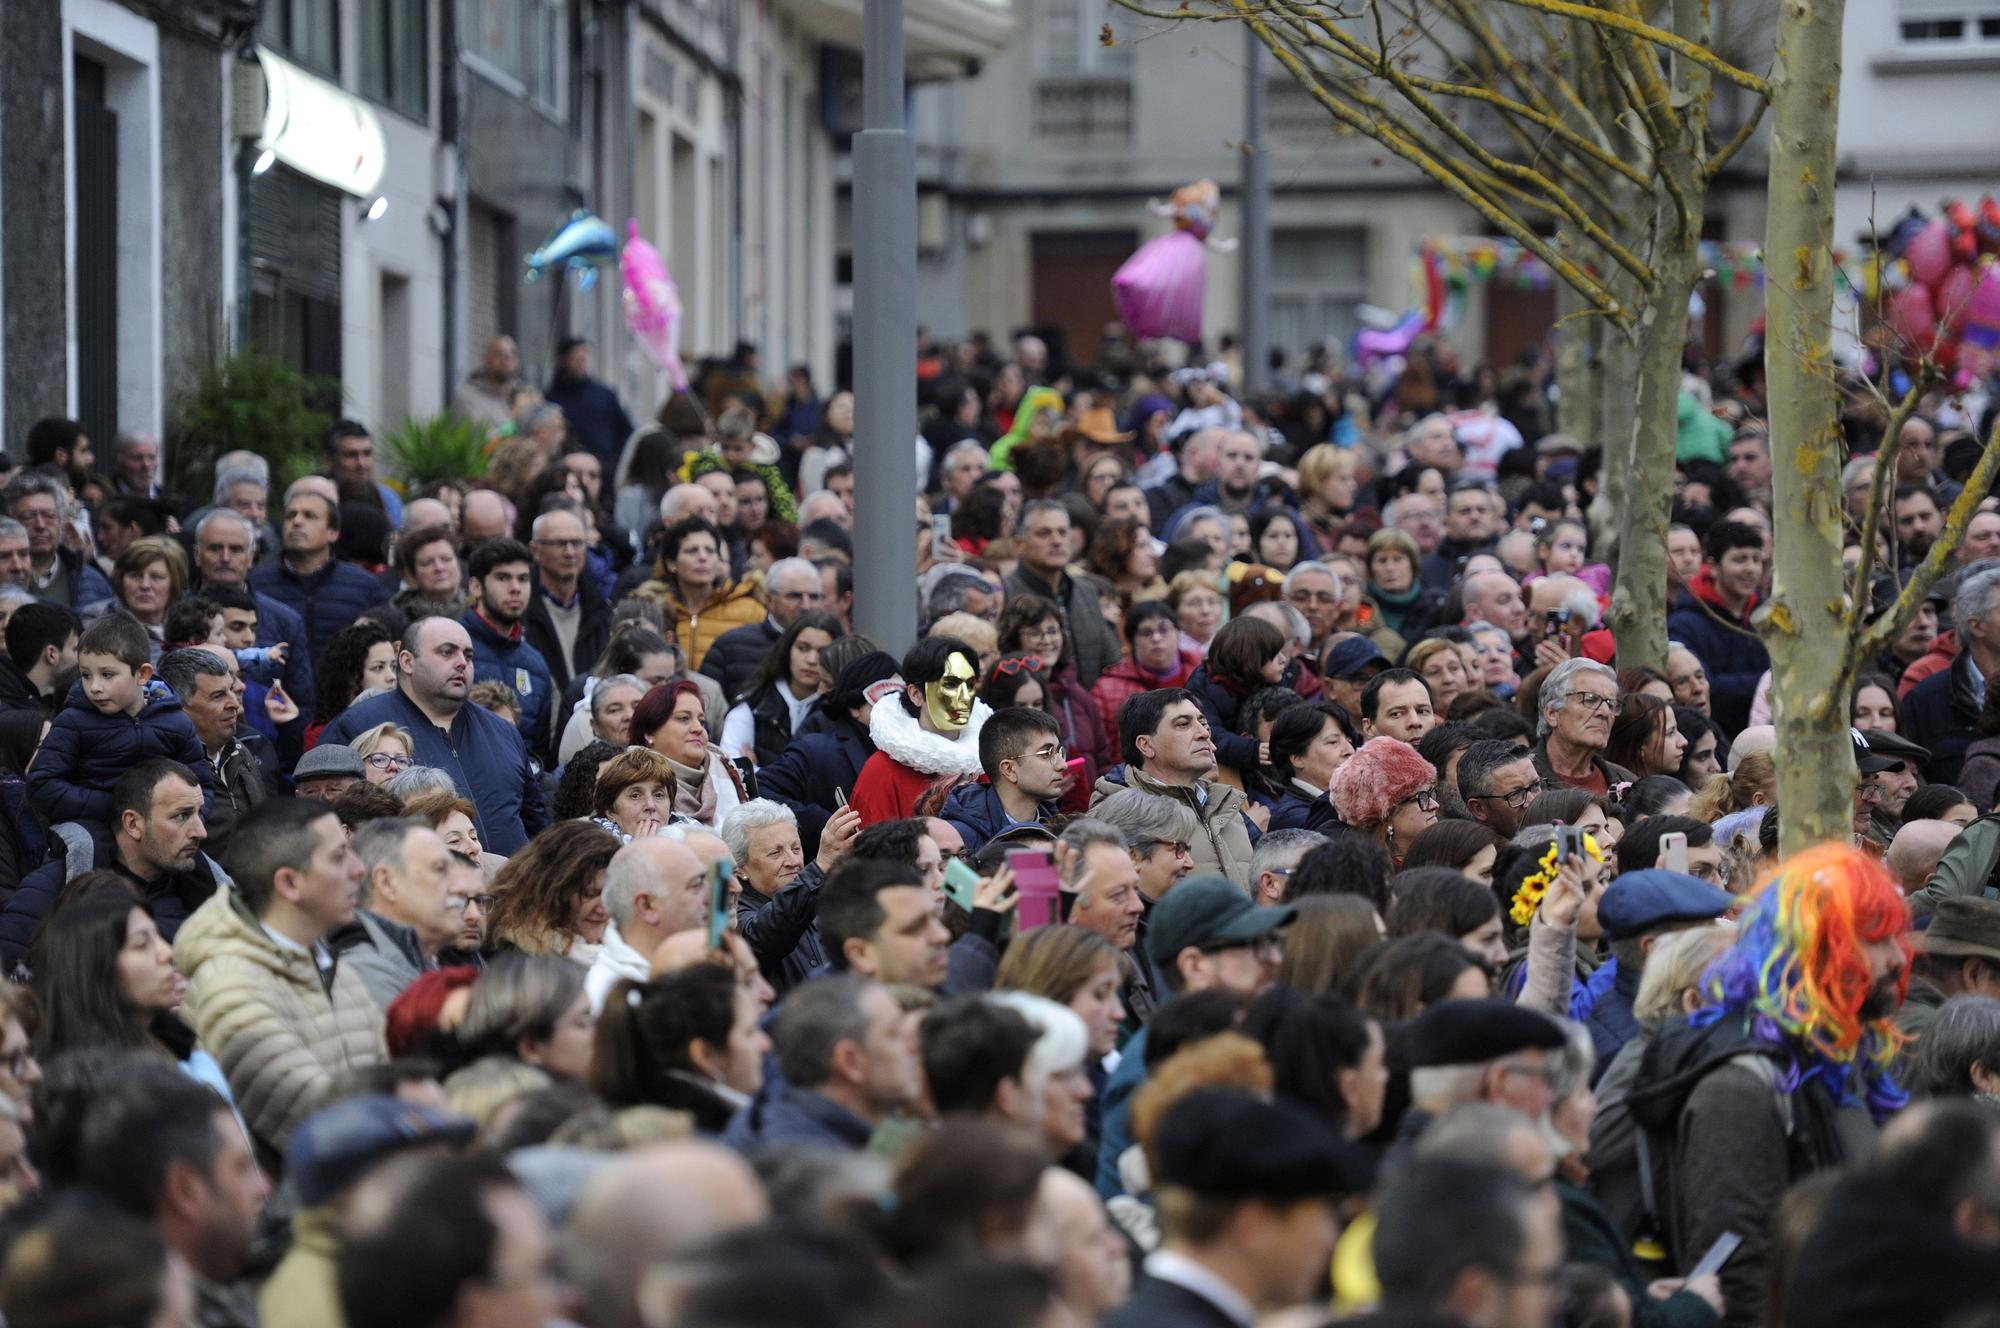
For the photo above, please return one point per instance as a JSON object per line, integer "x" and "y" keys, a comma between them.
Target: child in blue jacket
{"x": 116, "y": 717}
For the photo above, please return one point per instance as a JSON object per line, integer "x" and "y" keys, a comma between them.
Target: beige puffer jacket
{"x": 1223, "y": 847}
{"x": 280, "y": 1034}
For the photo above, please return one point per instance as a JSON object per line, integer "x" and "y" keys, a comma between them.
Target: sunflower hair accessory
{"x": 1536, "y": 884}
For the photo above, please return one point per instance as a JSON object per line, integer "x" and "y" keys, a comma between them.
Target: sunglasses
{"x": 1014, "y": 664}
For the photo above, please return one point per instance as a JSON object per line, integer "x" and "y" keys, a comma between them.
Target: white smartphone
{"x": 1674, "y": 852}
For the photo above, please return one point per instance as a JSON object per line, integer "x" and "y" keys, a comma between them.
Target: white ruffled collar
{"x": 897, "y": 732}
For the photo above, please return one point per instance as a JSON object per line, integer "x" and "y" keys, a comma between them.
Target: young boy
{"x": 116, "y": 717}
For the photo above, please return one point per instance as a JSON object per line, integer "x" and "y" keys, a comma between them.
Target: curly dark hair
{"x": 338, "y": 678}
{"x": 576, "y": 791}
{"x": 1111, "y": 548}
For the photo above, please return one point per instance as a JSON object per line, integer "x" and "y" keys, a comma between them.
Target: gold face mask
{"x": 948, "y": 701}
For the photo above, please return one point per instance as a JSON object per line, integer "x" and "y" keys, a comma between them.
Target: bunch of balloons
{"x": 1939, "y": 282}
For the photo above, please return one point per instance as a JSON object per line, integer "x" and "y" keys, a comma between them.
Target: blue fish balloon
{"x": 583, "y": 242}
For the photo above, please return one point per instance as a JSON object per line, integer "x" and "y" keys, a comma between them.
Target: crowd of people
{"x": 1256, "y": 896}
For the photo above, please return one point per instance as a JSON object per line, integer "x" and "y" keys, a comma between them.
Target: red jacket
{"x": 1125, "y": 680}
{"x": 887, "y": 790}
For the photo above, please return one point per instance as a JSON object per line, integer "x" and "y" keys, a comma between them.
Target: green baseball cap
{"x": 1208, "y": 911}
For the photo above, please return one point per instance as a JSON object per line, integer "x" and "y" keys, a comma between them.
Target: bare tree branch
{"x": 1646, "y": 32}
{"x": 1879, "y": 488}
{"x": 1724, "y": 154}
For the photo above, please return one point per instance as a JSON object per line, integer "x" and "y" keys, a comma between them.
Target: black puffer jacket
{"x": 734, "y": 657}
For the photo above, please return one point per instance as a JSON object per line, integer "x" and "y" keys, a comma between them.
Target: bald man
{"x": 653, "y": 888}
{"x": 1916, "y": 850}
{"x": 647, "y": 1206}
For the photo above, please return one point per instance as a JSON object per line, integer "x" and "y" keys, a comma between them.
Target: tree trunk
{"x": 1803, "y": 625}
{"x": 1639, "y": 590}
{"x": 1579, "y": 369}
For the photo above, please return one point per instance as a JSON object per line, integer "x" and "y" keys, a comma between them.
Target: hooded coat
{"x": 1224, "y": 845}
{"x": 1726, "y": 644}
{"x": 909, "y": 759}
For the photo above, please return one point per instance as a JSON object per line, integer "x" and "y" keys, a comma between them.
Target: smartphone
{"x": 961, "y": 883}
{"x": 1555, "y": 622}
{"x": 718, "y": 903}
{"x": 1674, "y": 852}
{"x": 839, "y": 797}
{"x": 1569, "y": 843}
{"x": 1718, "y": 1255}
{"x": 1036, "y": 882}
{"x": 941, "y": 544}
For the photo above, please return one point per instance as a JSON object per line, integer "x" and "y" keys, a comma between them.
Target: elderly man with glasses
{"x": 1579, "y": 700}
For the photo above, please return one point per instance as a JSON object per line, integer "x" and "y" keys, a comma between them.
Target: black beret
{"x": 1230, "y": 1145}
{"x": 1474, "y": 1032}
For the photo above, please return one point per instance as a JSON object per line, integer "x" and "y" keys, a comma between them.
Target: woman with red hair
{"x": 672, "y": 720}
{"x": 1388, "y": 792}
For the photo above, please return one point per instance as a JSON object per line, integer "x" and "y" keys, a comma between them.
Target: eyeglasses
{"x": 1518, "y": 799}
{"x": 1705, "y": 871}
{"x": 1014, "y": 664}
{"x": 1054, "y": 751}
{"x": 484, "y": 903}
{"x": 1271, "y": 946}
{"x": 1592, "y": 701}
{"x": 387, "y": 761}
{"x": 1873, "y": 792}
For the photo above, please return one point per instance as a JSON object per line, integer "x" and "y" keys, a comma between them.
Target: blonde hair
{"x": 970, "y": 628}
{"x": 365, "y": 742}
{"x": 1320, "y": 464}
{"x": 1674, "y": 968}
{"x": 1754, "y": 782}
{"x": 1188, "y": 582}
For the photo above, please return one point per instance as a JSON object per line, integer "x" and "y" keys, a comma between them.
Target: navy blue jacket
{"x": 797, "y": 1116}
{"x": 173, "y": 897}
{"x": 826, "y": 754}
{"x": 593, "y": 632}
{"x": 485, "y": 756}
{"x": 328, "y": 600}
{"x": 1942, "y": 713}
{"x": 89, "y": 590}
{"x": 1219, "y": 706}
{"x": 736, "y": 654}
{"x": 1735, "y": 660}
{"x": 974, "y": 810}
{"x": 86, "y": 751}
{"x": 1612, "y": 1023}
{"x": 783, "y": 931}
{"x": 276, "y": 623}
{"x": 510, "y": 659}
{"x": 596, "y": 417}
{"x": 1295, "y": 811}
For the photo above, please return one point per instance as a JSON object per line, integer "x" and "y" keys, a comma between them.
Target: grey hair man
{"x": 407, "y": 914}
{"x": 1314, "y": 589}
{"x": 1579, "y": 700}
{"x": 1942, "y": 712}
{"x": 848, "y": 1058}
{"x": 962, "y": 590}
{"x": 1276, "y": 856}
{"x": 792, "y": 587}
{"x": 16, "y": 569}
{"x": 653, "y": 888}
{"x": 1496, "y": 781}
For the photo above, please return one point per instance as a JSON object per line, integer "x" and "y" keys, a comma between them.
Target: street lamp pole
{"x": 1255, "y": 322}
{"x": 885, "y": 341}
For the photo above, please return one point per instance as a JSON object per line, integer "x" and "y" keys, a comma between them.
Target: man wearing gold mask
{"x": 932, "y": 736}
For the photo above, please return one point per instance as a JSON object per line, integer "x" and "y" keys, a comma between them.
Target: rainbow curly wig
{"x": 1799, "y": 972}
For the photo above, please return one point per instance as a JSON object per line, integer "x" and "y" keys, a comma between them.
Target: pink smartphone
{"x": 1037, "y": 884}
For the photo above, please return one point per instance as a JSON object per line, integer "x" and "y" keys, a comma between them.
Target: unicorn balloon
{"x": 585, "y": 241}
{"x": 653, "y": 306}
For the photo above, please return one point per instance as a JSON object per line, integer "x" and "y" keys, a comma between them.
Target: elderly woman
{"x": 1959, "y": 1054}
{"x": 433, "y": 579}
{"x": 385, "y": 752}
{"x": 1441, "y": 664}
{"x": 148, "y": 577}
{"x": 1578, "y": 703}
{"x": 670, "y": 720}
{"x": 635, "y": 794}
{"x": 1198, "y": 608}
{"x": 1387, "y": 792}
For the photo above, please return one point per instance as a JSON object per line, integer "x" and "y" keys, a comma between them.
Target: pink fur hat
{"x": 1370, "y": 783}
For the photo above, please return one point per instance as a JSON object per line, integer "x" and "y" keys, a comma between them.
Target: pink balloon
{"x": 1914, "y": 319}
{"x": 1954, "y": 297}
{"x": 1981, "y": 324}
{"x": 1929, "y": 254}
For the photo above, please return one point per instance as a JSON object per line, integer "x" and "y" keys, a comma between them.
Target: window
{"x": 395, "y": 56}
{"x": 1317, "y": 279}
{"x": 1071, "y": 39}
{"x": 306, "y": 30}
{"x": 1946, "y": 27}
{"x": 521, "y": 44}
